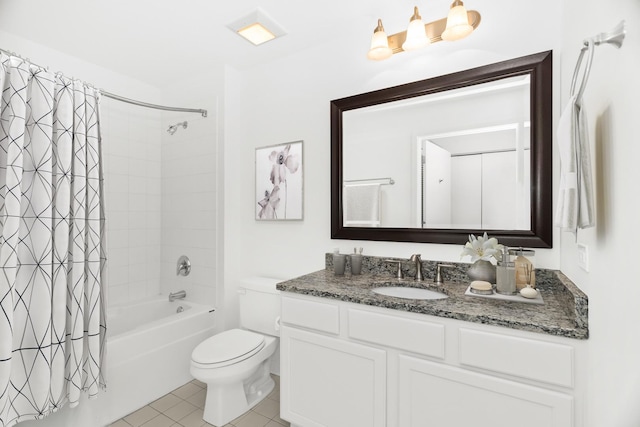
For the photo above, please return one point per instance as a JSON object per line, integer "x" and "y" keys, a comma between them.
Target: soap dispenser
{"x": 525, "y": 268}
{"x": 506, "y": 275}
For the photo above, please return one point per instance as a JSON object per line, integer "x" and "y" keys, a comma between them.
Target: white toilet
{"x": 235, "y": 364}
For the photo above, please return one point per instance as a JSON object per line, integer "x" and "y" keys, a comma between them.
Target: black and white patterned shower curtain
{"x": 52, "y": 319}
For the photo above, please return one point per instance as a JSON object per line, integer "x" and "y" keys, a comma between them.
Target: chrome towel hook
{"x": 614, "y": 37}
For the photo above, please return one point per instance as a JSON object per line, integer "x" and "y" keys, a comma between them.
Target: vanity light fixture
{"x": 458, "y": 24}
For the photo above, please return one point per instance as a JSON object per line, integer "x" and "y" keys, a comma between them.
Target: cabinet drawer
{"x": 434, "y": 394}
{"x": 405, "y": 334}
{"x": 315, "y": 315}
{"x": 521, "y": 357}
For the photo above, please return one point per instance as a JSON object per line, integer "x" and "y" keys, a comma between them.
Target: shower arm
{"x": 173, "y": 128}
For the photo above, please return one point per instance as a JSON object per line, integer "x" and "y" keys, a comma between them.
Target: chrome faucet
{"x": 415, "y": 258}
{"x": 177, "y": 295}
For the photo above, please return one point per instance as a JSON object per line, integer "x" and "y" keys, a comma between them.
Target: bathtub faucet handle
{"x": 184, "y": 266}
{"x": 177, "y": 295}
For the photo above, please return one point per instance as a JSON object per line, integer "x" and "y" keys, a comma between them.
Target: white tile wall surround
{"x": 189, "y": 205}
{"x": 161, "y": 201}
{"x": 118, "y": 275}
{"x": 118, "y": 257}
{"x": 132, "y": 151}
{"x": 117, "y": 220}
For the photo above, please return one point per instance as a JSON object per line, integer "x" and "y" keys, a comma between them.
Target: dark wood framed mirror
{"x": 390, "y": 136}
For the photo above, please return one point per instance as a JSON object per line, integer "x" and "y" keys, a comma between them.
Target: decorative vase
{"x": 482, "y": 270}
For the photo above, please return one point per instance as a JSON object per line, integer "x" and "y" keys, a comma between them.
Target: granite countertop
{"x": 564, "y": 312}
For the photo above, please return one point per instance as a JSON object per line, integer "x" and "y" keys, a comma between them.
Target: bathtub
{"x": 148, "y": 353}
{"x": 149, "y": 314}
{"x": 149, "y": 347}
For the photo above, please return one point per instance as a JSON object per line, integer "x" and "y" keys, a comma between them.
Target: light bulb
{"x": 379, "y": 44}
{"x": 416, "y": 34}
{"x": 458, "y": 26}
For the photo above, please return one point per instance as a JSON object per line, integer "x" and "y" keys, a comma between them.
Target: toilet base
{"x": 226, "y": 402}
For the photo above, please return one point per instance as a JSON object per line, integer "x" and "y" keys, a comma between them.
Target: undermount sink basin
{"x": 408, "y": 293}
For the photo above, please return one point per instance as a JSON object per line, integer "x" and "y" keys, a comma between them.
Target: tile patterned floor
{"x": 183, "y": 408}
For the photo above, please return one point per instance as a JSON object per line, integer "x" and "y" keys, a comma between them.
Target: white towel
{"x": 575, "y": 207}
{"x": 362, "y": 205}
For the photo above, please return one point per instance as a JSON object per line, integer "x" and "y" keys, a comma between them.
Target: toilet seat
{"x": 227, "y": 348}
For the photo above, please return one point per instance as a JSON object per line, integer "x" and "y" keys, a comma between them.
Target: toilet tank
{"x": 260, "y": 305}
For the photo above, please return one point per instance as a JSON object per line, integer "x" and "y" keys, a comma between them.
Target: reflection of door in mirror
{"x": 436, "y": 186}
{"x": 476, "y": 178}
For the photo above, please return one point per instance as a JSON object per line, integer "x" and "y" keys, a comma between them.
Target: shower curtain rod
{"x": 155, "y": 106}
{"x": 122, "y": 98}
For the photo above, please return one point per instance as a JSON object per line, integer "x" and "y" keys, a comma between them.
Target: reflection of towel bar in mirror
{"x": 381, "y": 181}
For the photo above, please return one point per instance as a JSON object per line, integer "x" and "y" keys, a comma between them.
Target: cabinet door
{"x": 331, "y": 383}
{"x": 432, "y": 394}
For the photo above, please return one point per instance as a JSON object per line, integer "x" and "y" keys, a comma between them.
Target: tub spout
{"x": 177, "y": 295}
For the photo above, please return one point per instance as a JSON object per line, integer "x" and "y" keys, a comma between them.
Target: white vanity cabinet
{"x": 345, "y": 364}
{"x": 328, "y": 381}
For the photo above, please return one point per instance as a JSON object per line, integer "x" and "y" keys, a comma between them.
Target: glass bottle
{"x": 525, "y": 269}
{"x": 506, "y": 275}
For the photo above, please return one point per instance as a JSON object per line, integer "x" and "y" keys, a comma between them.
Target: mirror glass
{"x": 459, "y": 159}
{"x": 436, "y": 160}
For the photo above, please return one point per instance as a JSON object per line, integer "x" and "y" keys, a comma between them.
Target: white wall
{"x": 611, "y": 283}
{"x": 381, "y": 153}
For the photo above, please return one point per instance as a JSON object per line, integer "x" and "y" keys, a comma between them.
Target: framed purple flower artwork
{"x": 279, "y": 182}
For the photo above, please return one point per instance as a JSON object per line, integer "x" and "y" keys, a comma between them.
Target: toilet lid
{"x": 228, "y": 347}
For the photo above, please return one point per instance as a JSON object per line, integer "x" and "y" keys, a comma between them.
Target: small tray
{"x": 514, "y": 298}
{"x": 480, "y": 291}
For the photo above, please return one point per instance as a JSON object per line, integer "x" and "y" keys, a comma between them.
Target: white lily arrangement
{"x": 482, "y": 248}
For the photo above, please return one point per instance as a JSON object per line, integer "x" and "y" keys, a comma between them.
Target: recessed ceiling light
{"x": 256, "y": 33}
{"x": 257, "y": 27}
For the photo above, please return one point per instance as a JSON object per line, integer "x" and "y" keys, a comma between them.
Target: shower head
{"x": 173, "y": 128}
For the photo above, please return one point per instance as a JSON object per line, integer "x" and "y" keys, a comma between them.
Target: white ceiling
{"x": 153, "y": 40}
